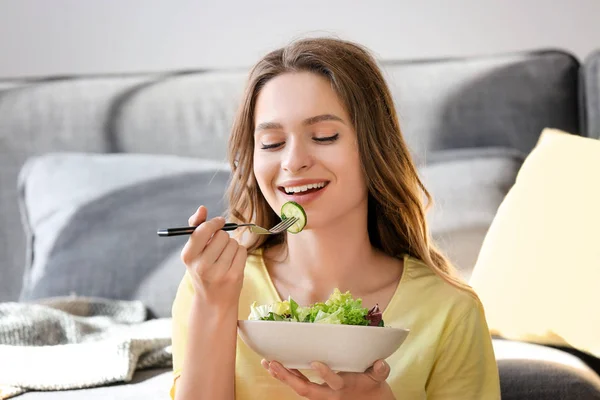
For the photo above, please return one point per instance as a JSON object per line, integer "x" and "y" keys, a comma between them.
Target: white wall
{"x": 40, "y": 37}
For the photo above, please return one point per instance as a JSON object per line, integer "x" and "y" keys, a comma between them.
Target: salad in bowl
{"x": 339, "y": 332}
{"x": 340, "y": 308}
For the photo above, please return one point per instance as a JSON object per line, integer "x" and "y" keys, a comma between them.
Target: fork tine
{"x": 291, "y": 223}
{"x": 283, "y": 225}
{"x": 281, "y": 228}
{"x": 282, "y": 222}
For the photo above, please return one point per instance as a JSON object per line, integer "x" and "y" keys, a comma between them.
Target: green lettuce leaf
{"x": 340, "y": 308}
{"x": 268, "y": 311}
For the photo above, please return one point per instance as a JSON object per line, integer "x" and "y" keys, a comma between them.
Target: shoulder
{"x": 457, "y": 301}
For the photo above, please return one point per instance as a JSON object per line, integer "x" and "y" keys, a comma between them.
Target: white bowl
{"x": 347, "y": 348}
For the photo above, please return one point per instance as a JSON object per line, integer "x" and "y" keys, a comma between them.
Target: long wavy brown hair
{"x": 396, "y": 207}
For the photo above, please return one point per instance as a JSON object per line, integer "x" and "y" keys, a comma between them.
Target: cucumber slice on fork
{"x": 293, "y": 209}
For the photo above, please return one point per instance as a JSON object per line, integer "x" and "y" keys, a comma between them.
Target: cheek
{"x": 265, "y": 171}
{"x": 356, "y": 176}
{"x": 354, "y": 181}
{"x": 348, "y": 166}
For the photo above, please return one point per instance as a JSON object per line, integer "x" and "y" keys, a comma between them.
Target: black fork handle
{"x": 188, "y": 230}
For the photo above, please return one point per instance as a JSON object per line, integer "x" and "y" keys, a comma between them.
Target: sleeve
{"x": 180, "y": 312}
{"x": 465, "y": 367}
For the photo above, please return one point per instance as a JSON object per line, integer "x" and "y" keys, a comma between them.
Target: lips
{"x": 303, "y": 191}
{"x": 299, "y": 188}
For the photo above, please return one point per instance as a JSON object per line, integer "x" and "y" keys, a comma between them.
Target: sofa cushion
{"x": 92, "y": 219}
{"x": 489, "y": 101}
{"x": 467, "y": 186}
{"x": 537, "y": 273}
{"x": 535, "y": 372}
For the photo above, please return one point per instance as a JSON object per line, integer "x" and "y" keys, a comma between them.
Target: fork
{"x": 230, "y": 226}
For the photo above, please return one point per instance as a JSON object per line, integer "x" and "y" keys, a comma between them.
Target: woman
{"x": 317, "y": 125}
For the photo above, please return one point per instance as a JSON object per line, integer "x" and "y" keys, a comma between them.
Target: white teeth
{"x": 303, "y": 188}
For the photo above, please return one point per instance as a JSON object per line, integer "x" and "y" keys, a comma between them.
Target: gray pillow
{"x": 91, "y": 222}
{"x": 467, "y": 186}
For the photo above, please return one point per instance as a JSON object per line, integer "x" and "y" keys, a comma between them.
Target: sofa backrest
{"x": 591, "y": 94}
{"x": 492, "y": 101}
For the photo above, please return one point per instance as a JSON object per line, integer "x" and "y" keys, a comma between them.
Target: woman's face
{"x": 306, "y": 149}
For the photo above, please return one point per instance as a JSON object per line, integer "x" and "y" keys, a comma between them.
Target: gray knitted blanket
{"x": 74, "y": 342}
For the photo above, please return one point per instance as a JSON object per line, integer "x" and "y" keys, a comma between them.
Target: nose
{"x": 296, "y": 157}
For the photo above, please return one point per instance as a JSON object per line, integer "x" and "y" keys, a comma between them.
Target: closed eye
{"x": 271, "y": 146}
{"x": 327, "y": 139}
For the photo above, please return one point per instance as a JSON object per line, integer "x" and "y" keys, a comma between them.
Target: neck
{"x": 336, "y": 255}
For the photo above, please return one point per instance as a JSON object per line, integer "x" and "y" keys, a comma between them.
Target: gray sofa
{"x": 91, "y": 166}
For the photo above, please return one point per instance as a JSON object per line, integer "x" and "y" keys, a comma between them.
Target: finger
{"x": 302, "y": 387}
{"x": 215, "y": 248}
{"x": 265, "y": 364}
{"x": 199, "y": 239}
{"x": 239, "y": 261}
{"x": 228, "y": 254}
{"x": 332, "y": 379}
{"x": 379, "y": 372}
{"x": 198, "y": 217}
{"x": 299, "y": 374}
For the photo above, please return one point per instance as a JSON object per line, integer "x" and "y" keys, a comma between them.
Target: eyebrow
{"x": 307, "y": 122}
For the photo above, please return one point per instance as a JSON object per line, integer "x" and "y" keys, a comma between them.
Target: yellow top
{"x": 448, "y": 353}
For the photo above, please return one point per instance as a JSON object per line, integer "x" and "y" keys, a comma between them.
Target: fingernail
{"x": 315, "y": 365}
{"x": 379, "y": 367}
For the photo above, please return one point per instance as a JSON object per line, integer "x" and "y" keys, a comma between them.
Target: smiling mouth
{"x": 303, "y": 189}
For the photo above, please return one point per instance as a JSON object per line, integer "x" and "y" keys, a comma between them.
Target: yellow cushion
{"x": 538, "y": 271}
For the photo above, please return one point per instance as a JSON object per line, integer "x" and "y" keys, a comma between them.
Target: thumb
{"x": 379, "y": 372}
